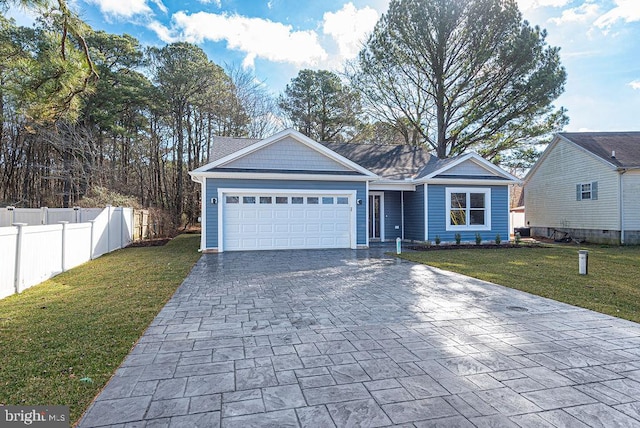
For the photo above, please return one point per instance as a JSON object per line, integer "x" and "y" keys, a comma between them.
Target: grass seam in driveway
{"x": 611, "y": 287}
{"x": 62, "y": 340}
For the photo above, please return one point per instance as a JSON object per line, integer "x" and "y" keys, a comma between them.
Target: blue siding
{"x": 438, "y": 215}
{"x": 214, "y": 184}
{"x": 414, "y": 214}
{"x": 392, "y": 215}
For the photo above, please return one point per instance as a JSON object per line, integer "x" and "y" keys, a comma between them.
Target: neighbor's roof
{"x": 602, "y": 144}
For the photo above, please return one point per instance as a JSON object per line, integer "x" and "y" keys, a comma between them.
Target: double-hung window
{"x": 468, "y": 208}
{"x": 587, "y": 191}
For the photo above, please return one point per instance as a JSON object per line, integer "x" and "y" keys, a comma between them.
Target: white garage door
{"x": 270, "y": 221}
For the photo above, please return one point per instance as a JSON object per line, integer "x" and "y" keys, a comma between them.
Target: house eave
{"x": 408, "y": 185}
{"x": 469, "y": 182}
{"x": 198, "y": 176}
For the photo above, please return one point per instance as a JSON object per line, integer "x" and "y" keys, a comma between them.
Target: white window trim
{"x": 590, "y": 191}
{"x": 467, "y": 190}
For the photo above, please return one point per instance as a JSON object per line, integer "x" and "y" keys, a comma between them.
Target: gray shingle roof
{"x": 625, "y": 144}
{"x": 396, "y": 162}
{"x": 224, "y": 146}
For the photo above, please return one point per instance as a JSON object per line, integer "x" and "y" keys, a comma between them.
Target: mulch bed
{"x": 150, "y": 243}
{"x": 470, "y": 246}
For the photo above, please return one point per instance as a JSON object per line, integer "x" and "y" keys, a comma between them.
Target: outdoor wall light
{"x": 359, "y": 201}
{"x": 214, "y": 201}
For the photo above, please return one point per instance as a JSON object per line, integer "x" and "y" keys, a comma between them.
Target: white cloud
{"x": 126, "y": 9}
{"x": 535, "y": 4}
{"x": 216, "y": 2}
{"x": 160, "y": 6}
{"x": 258, "y": 38}
{"x": 635, "y": 84}
{"x": 626, "y": 10}
{"x": 580, "y": 14}
{"x": 349, "y": 27}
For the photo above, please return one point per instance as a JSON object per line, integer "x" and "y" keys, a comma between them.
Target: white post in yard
{"x": 398, "y": 246}
{"x": 64, "y": 244}
{"x": 18, "y": 271}
{"x": 583, "y": 262}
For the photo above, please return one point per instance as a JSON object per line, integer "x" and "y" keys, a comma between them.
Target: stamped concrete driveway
{"x": 351, "y": 338}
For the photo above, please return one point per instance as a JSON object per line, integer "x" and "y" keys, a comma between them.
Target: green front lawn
{"x": 61, "y": 341}
{"x": 611, "y": 287}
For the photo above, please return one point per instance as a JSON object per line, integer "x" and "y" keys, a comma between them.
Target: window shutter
{"x": 578, "y": 192}
{"x": 594, "y": 190}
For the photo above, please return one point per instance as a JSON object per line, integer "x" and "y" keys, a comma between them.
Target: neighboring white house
{"x": 587, "y": 184}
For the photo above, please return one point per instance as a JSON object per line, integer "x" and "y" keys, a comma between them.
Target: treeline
{"x": 136, "y": 130}
{"x": 84, "y": 110}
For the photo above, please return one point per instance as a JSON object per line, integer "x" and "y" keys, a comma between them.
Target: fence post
{"x": 78, "y": 219}
{"x": 122, "y": 227}
{"x": 18, "y": 267}
{"x": 91, "y": 244}
{"x": 13, "y": 214}
{"x": 44, "y": 215}
{"x": 108, "y": 228}
{"x": 63, "y": 262}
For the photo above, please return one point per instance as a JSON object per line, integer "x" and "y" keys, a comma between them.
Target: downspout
{"x": 621, "y": 172}
{"x": 402, "y": 214}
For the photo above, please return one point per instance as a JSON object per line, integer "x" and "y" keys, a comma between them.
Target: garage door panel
{"x": 281, "y": 228}
{"x": 262, "y": 225}
{"x": 265, "y": 228}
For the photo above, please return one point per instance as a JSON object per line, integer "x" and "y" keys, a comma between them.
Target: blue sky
{"x": 599, "y": 41}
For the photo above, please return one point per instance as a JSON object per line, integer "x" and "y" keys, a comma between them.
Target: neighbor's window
{"x": 468, "y": 208}
{"x": 587, "y": 191}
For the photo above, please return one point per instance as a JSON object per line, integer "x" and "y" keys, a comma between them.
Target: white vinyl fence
{"x": 32, "y": 254}
{"x": 44, "y": 215}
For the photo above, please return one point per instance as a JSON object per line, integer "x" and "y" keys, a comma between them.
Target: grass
{"x": 82, "y": 323}
{"x": 611, "y": 286}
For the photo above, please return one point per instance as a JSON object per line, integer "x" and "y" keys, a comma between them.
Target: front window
{"x": 468, "y": 209}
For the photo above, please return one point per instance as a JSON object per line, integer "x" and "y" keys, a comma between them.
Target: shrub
{"x": 478, "y": 239}
{"x": 458, "y": 238}
{"x": 498, "y": 240}
{"x": 437, "y": 240}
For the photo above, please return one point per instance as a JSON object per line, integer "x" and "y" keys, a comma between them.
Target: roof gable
{"x": 287, "y": 154}
{"x": 287, "y": 151}
{"x": 468, "y": 166}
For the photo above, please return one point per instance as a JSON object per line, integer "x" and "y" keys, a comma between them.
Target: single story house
{"x": 291, "y": 192}
{"x": 587, "y": 185}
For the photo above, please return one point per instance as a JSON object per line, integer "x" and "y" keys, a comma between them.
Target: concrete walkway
{"x": 351, "y": 338}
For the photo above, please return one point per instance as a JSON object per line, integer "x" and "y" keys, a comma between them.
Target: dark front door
{"x": 375, "y": 207}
